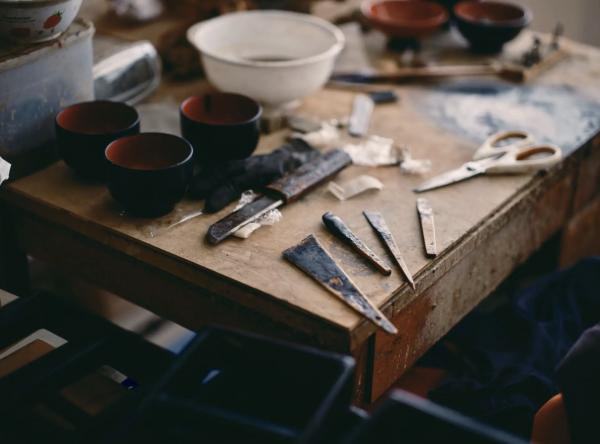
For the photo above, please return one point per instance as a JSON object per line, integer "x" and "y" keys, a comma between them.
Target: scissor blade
{"x": 447, "y": 178}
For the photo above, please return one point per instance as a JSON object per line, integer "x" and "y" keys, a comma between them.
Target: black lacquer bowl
{"x": 84, "y": 130}
{"x": 221, "y": 126}
{"x": 149, "y": 172}
{"x": 489, "y": 25}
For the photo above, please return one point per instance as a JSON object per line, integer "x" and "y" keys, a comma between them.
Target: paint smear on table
{"x": 556, "y": 114}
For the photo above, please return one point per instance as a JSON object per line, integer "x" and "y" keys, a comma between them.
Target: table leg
{"x": 14, "y": 267}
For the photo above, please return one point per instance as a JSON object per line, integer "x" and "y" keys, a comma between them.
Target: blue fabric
{"x": 502, "y": 364}
{"x": 579, "y": 379}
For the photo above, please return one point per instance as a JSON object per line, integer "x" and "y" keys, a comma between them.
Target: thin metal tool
{"x": 283, "y": 191}
{"x": 509, "y": 152}
{"x": 362, "y": 109}
{"x": 378, "y": 223}
{"x": 427, "y": 226}
{"x": 337, "y": 227}
{"x": 310, "y": 257}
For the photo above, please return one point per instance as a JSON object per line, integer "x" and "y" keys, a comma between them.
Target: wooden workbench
{"x": 485, "y": 227}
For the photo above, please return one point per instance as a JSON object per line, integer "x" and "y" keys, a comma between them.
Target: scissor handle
{"x": 491, "y": 145}
{"x": 520, "y": 161}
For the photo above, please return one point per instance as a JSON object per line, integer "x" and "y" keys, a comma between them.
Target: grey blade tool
{"x": 337, "y": 227}
{"x": 378, "y": 223}
{"x": 310, "y": 257}
{"x": 427, "y": 226}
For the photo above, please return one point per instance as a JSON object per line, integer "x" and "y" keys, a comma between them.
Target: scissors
{"x": 506, "y": 152}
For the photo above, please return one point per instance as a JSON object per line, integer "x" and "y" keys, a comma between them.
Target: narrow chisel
{"x": 337, "y": 227}
{"x": 310, "y": 257}
{"x": 378, "y": 223}
{"x": 427, "y": 226}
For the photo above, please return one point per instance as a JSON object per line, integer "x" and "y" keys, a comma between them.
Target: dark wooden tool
{"x": 514, "y": 72}
{"x": 285, "y": 190}
{"x": 310, "y": 257}
{"x": 337, "y": 227}
{"x": 378, "y": 223}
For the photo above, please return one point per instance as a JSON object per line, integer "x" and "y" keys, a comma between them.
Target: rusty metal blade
{"x": 337, "y": 227}
{"x": 310, "y": 257}
{"x": 378, "y": 223}
{"x": 287, "y": 189}
{"x": 427, "y": 226}
{"x": 222, "y": 229}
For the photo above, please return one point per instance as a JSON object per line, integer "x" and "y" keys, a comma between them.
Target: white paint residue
{"x": 414, "y": 166}
{"x": 354, "y": 187}
{"x": 472, "y": 110}
{"x": 373, "y": 152}
{"x": 327, "y": 137}
{"x": 269, "y": 218}
{"x": 556, "y": 114}
{"x": 4, "y": 170}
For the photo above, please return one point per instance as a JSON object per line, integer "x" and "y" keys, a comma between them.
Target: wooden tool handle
{"x": 408, "y": 73}
{"x": 310, "y": 175}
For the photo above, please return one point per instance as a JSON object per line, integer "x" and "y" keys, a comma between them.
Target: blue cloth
{"x": 502, "y": 364}
{"x": 579, "y": 379}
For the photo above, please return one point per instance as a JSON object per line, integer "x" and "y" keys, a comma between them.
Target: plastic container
{"x": 236, "y": 387}
{"x": 77, "y": 390}
{"x": 404, "y": 417}
{"x": 36, "y": 82}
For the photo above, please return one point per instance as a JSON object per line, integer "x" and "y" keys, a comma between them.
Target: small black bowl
{"x": 84, "y": 130}
{"x": 150, "y": 172}
{"x": 489, "y": 25}
{"x": 221, "y": 126}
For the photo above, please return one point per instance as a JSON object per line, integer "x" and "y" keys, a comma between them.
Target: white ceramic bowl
{"x": 31, "y": 21}
{"x": 274, "y": 57}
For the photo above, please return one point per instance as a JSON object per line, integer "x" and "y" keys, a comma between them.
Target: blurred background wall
{"x": 581, "y": 18}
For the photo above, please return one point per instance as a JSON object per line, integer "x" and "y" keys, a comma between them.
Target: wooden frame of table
{"x": 486, "y": 227}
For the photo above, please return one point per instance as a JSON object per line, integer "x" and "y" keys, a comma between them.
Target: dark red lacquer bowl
{"x": 149, "y": 172}
{"x": 405, "y": 18}
{"x": 84, "y": 130}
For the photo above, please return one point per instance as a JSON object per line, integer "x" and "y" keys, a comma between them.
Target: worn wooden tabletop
{"x": 444, "y": 122}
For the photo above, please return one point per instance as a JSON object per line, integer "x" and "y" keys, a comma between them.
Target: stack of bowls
{"x": 34, "y": 21}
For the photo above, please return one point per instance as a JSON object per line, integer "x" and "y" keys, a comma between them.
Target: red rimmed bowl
{"x": 221, "y": 126}
{"x": 488, "y": 25}
{"x": 84, "y": 130}
{"x": 149, "y": 172}
{"x": 405, "y": 19}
